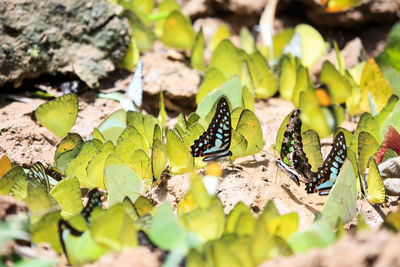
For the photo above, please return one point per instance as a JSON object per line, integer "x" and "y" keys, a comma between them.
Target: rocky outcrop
{"x": 80, "y": 36}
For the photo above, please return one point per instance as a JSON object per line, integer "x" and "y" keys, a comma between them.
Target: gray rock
{"x": 48, "y": 37}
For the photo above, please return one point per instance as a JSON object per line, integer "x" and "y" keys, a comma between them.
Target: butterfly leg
{"x": 291, "y": 173}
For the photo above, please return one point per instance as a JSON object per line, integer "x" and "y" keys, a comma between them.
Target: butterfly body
{"x": 326, "y": 175}
{"x": 292, "y": 157}
{"x": 294, "y": 160}
{"x": 214, "y": 143}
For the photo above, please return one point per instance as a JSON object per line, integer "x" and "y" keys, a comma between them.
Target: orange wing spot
{"x": 5, "y": 165}
{"x": 171, "y": 23}
{"x": 323, "y": 97}
{"x": 252, "y": 123}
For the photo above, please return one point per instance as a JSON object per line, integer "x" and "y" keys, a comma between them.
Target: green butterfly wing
{"x": 58, "y": 115}
{"x": 376, "y": 189}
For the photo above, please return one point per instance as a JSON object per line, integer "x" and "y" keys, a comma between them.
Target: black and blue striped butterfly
{"x": 326, "y": 175}
{"x": 295, "y": 162}
{"x": 214, "y": 143}
{"x": 65, "y": 228}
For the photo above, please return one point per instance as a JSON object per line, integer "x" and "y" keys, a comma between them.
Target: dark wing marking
{"x": 37, "y": 175}
{"x": 94, "y": 201}
{"x": 292, "y": 153}
{"x": 215, "y": 142}
{"x": 326, "y": 175}
{"x": 64, "y": 228}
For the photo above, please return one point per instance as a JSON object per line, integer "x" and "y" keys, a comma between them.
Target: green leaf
{"x": 121, "y": 181}
{"x": 95, "y": 167}
{"x": 78, "y": 165}
{"x": 67, "y": 150}
{"x": 342, "y": 199}
{"x": 112, "y": 127}
{"x": 159, "y": 158}
{"x": 338, "y": 87}
{"x": 114, "y": 230}
{"x": 58, "y": 115}
{"x": 68, "y": 194}
{"x": 165, "y": 230}
{"x": 376, "y": 189}
{"x": 313, "y": 45}
{"x": 178, "y": 32}
{"x": 197, "y": 55}
{"x": 180, "y": 158}
{"x": 231, "y": 89}
{"x": 213, "y": 79}
{"x": 221, "y": 34}
{"x": 367, "y": 146}
{"x": 249, "y": 126}
{"x": 10, "y": 178}
{"x": 227, "y": 59}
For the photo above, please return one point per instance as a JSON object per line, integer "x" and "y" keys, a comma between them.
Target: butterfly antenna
{"x": 266, "y": 152}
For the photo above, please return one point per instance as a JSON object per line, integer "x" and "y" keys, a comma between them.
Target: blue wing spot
{"x": 225, "y": 117}
{"x": 225, "y": 128}
{"x": 335, "y": 164}
{"x": 219, "y": 135}
{"x": 339, "y": 159}
{"x": 334, "y": 170}
{"x": 227, "y": 122}
{"x": 219, "y": 130}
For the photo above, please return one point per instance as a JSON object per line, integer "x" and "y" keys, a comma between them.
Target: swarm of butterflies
{"x": 214, "y": 145}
